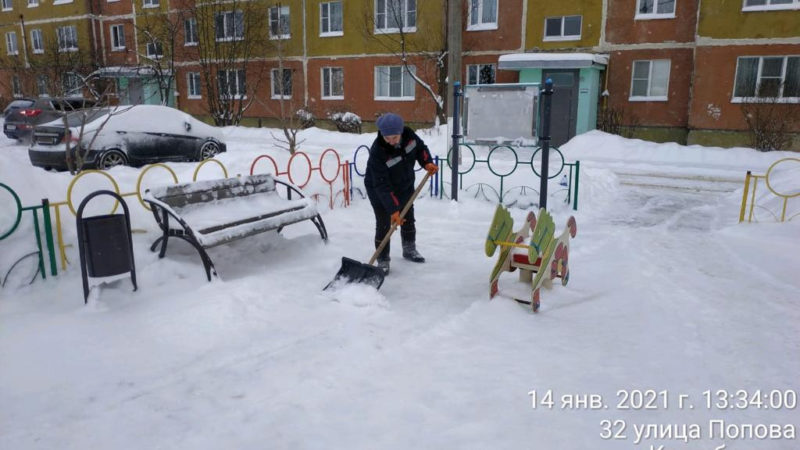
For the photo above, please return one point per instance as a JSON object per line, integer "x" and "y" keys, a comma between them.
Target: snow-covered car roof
{"x": 152, "y": 118}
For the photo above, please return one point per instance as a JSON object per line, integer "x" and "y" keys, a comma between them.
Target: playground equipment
{"x": 781, "y": 184}
{"x": 545, "y": 254}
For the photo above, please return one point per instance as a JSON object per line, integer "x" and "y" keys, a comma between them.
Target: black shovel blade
{"x": 353, "y": 271}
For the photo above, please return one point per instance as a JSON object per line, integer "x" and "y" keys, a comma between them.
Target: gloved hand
{"x": 396, "y": 219}
{"x": 431, "y": 168}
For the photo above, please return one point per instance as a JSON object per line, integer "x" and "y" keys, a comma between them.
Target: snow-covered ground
{"x": 671, "y": 305}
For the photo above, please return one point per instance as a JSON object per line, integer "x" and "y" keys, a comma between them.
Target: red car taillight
{"x": 30, "y": 112}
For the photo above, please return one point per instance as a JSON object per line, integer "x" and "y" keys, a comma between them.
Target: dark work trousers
{"x": 383, "y": 222}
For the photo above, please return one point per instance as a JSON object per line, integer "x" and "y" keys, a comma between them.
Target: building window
{"x": 656, "y": 9}
{"x": 11, "y": 43}
{"x": 766, "y": 5}
{"x": 37, "y": 43}
{"x": 650, "y": 80}
{"x": 229, "y": 26}
{"x": 41, "y": 85}
{"x": 564, "y": 28}
{"x": 394, "y": 83}
{"x": 71, "y": 83}
{"x": 67, "y": 38}
{"x": 16, "y": 87}
{"x": 150, "y": 3}
{"x": 333, "y": 83}
{"x": 8, "y": 5}
{"x": 480, "y": 74}
{"x": 231, "y": 83}
{"x": 33, "y": 3}
{"x": 768, "y": 76}
{"x": 155, "y": 50}
{"x": 281, "y": 83}
{"x": 482, "y": 15}
{"x": 190, "y": 32}
{"x": 193, "y": 85}
{"x": 279, "y": 22}
{"x": 330, "y": 19}
{"x": 117, "y": 37}
{"x": 392, "y": 15}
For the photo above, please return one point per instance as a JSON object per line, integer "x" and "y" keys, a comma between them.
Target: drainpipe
{"x": 305, "y": 58}
{"x": 24, "y": 41}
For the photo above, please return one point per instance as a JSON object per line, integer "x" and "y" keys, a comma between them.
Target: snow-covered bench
{"x": 213, "y": 212}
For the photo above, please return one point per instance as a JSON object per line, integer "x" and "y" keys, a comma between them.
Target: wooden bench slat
{"x": 250, "y": 220}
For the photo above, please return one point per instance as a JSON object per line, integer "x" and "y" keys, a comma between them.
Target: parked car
{"x": 23, "y": 117}
{"x": 125, "y": 135}
{"x": 16, "y": 104}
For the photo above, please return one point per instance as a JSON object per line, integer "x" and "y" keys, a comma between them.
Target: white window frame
{"x": 67, "y": 35}
{"x": 562, "y": 36}
{"x": 240, "y": 91}
{"x": 37, "y": 41}
{"x": 150, "y": 3}
{"x": 190, "y": 36}
{"x": 117, "y": 32}
{"x": 62, "y": 2}
{"x": 12, "y": 48}
{"x": 67, "y": 87}
{"x": 649, "y": 97}
{"x": 476, "y": 7}
{"x": 33, "y": 3}
{"x": 654, "y": 14}
{"x": 283, "y": 17}
{"x": 41, "y": 85}
{"x": 193, "y": 85}
{"x": 8, "y": 5}
{"x": 404, "y": 96}
{"x": 406, "y": 12}
{"x": 16, "y": 86}
{"x": 325, "y": 19}
{"x": 327, "y": 76}
{"x": 770, "y": 5}
{"x": 273, "y": 87}
{"x": 152, "y": 48}
{"x": 477, "y": 68}
{"x": 229, "y": 28}
{"x": 760, "y": 77}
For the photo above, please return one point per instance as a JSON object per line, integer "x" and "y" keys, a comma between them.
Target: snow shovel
{"x": 353, "y": 271}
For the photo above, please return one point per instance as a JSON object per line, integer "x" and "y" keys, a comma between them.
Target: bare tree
{"x": 160, "y": 32}
{"x": 770, "y": 121}
{"x": 427, "y": 45}
{"x": 230, "y": 39}
{"x": 291, "y": 112}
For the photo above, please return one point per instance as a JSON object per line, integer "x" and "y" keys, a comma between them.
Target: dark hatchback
{"x": 22, "y": 115}
{"x": 125, "y": 135}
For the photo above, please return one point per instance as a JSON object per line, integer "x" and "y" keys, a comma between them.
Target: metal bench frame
{"x": 162, "y": 212}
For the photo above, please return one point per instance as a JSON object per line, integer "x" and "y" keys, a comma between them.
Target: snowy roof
{"x": 124, "y": 71}
{"x": 516, "y": 61}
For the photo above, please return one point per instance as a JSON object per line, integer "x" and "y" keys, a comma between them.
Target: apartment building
{"x": 672, "y": 70}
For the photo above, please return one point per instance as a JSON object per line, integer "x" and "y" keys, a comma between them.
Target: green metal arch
{"x": 19, "y": 211}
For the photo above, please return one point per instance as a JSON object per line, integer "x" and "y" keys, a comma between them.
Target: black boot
{"x": 410, "y": 252}
{"x": 383, "y": 264}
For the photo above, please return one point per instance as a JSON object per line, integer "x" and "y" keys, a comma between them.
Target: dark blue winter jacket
{"x": 390, "y": 170}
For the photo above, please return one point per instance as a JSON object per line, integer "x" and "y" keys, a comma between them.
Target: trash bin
{"x": 104, "y": 243}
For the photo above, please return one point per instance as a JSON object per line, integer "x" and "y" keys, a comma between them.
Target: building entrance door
{"x": 564, "y": 111}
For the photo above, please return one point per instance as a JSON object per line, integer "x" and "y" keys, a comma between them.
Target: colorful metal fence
{"x": 37, "y": 230}
{"x": 783, "y": 192}
{"x": 570, "y": 170}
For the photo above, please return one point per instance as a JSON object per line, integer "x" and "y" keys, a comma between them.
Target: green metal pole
{"x": 38, "y": 240}
{"x": 48, "y": 235}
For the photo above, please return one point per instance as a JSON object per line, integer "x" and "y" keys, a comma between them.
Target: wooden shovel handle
{"x": 402, "y": 214}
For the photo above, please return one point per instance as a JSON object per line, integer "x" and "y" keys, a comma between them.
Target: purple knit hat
{"x": 390, "y": 124}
